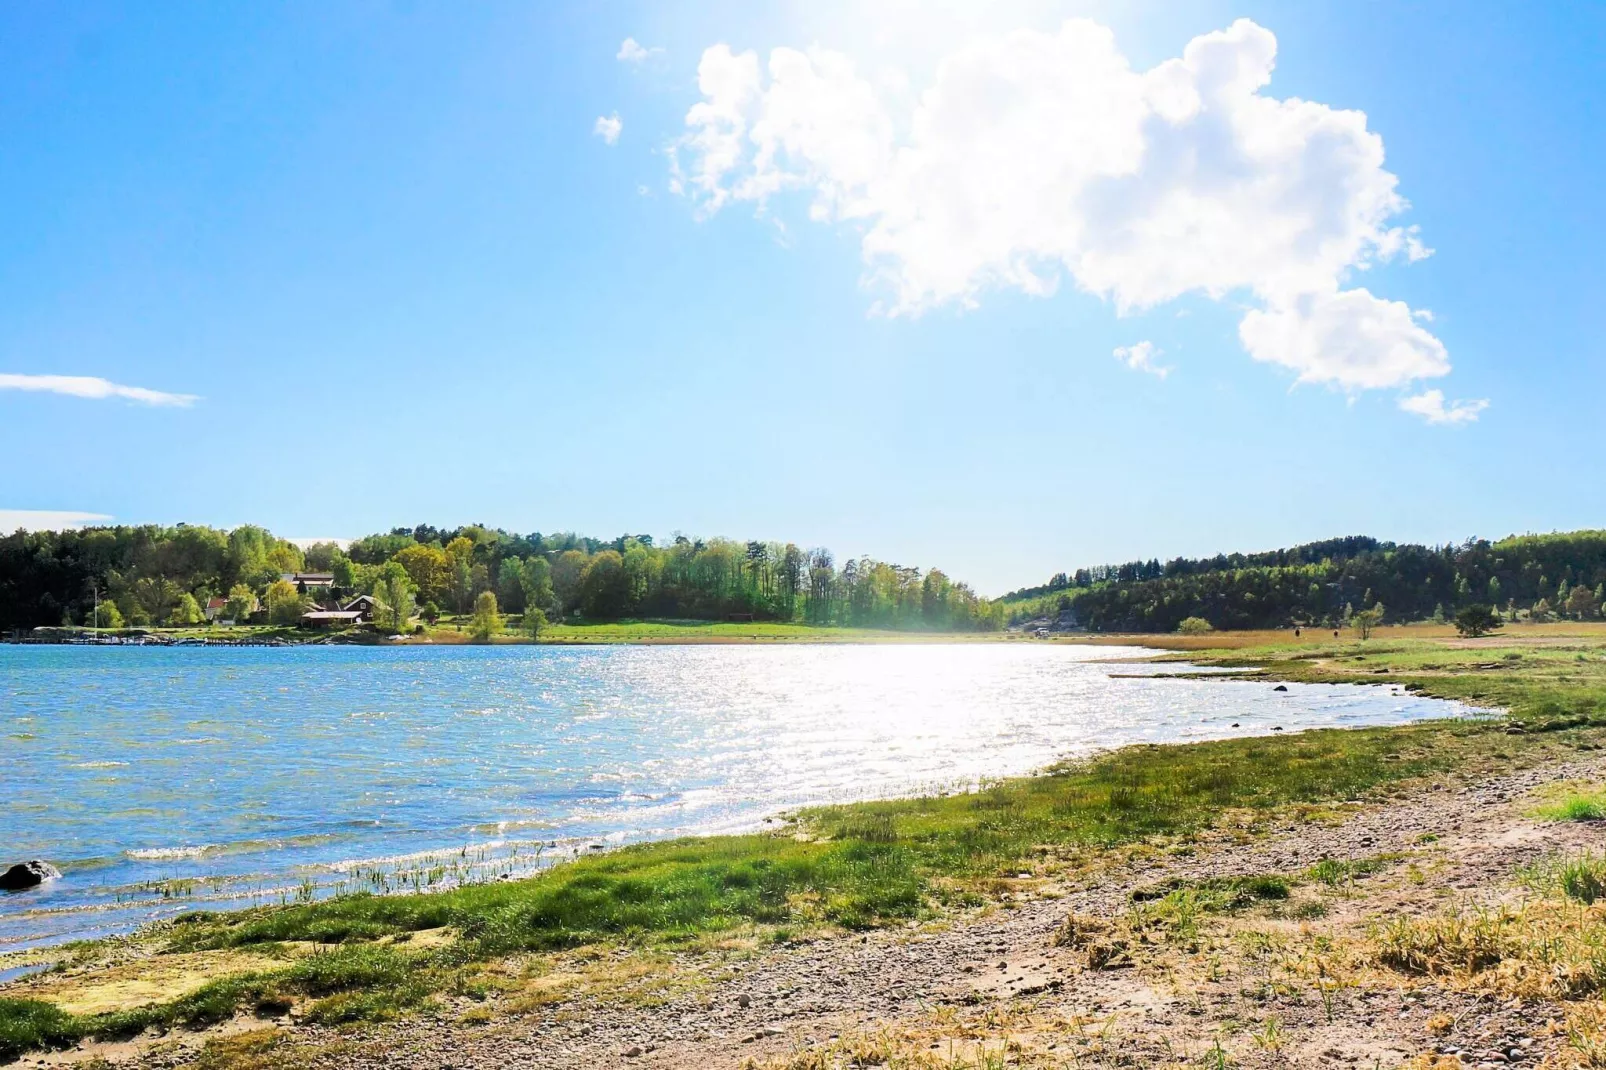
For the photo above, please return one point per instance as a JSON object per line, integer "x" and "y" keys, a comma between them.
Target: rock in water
{"x": 28, "y": 875}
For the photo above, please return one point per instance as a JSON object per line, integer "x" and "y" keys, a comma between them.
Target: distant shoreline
{"x": 722, "y": 633}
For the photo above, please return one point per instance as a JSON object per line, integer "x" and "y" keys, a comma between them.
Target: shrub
{"x": 1194, "y": 626}
{"x": 1474, "y": 621}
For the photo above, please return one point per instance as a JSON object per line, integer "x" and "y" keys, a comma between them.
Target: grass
{"x": 868, "y": 864}
{"x": 455, "y": 630}
{"x": 1587, "y": 805}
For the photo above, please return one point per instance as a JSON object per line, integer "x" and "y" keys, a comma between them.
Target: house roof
{"x": 216, "y": 603}
{"x": 332, "y": 614}
{"x": 311, "y": 579}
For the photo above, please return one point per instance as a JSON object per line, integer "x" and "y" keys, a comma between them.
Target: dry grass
{"x": 1017, "y": 1036}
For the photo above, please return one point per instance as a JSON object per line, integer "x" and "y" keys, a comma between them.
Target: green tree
{"x": 510, "y": 584}
{"x": 156, "y": 596}
{"x": 283, "y": 602}
{"x": 460, "y": 577}
{"x": 604, "y": 587}
{"x": 393, "y": 590}
{"x": 487, "y": 621}
{"x": 109, "y": 617}
{"x": 427, "y": 567}
{"x": 321, "y": 556}
{"x": 1194, "y": 626}
{"x": 537, "y": 579}
{"x": 1582, "y": 603}
{"x": 185, "y": 611}
{"x": 461, "y": 583}
{"x": 534, "y": 621}
{"x": 1366, "y": 620}
{"x": 344, "y": 570}
{"x": 1476, "y": 620}
{"x": 566, "y": 571}
{"x": 241, "y": 603}
{"x": 132, "y": 612}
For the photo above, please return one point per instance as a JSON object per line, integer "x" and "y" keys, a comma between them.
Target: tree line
{"x": 1326, "y": 583}
{"x": 151, "y": 575}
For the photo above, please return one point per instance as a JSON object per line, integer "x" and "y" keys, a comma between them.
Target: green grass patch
{"x": 1337, "y": 872}
{"x": 369, "y": 982}
{"x": 1580, "y": 877}
{"x": 1576, "y": 806}
{"x": 1224, "y": 893}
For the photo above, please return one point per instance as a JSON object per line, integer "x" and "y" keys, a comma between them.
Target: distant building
{"x": 330, "y": 618}
{"x": 363, "y": 605}
{"x": 304, "y": 581}
{"x": 214, "y": 608}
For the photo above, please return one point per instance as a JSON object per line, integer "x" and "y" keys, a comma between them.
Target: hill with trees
{"x": 1325, "y": 583}
{"x": 153, "y": 575}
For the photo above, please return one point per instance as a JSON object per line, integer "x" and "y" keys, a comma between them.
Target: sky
{"x": 1004, "y": 289}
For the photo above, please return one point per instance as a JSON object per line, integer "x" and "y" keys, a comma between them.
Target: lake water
{"x": 166, "y": 780}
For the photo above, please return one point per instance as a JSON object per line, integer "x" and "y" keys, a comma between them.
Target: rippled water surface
{"x": 161, "y": 780}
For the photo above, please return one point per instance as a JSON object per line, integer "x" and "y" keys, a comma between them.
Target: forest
{"x": 166, "y": 576}
{"x": 1323, "y": 583}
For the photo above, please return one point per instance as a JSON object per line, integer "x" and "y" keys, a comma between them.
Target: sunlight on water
{"x": 165, "y": 780}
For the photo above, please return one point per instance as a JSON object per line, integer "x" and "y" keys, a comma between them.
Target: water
{"x": 167, "y": 780}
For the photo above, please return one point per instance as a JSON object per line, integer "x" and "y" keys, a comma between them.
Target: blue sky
{"x": 392, "y": 271}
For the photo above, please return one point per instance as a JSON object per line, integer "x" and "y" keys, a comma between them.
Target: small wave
{"x": 197, "y": 740}
{"x": 169, "y": 854}
{"x": 96, "y": 765}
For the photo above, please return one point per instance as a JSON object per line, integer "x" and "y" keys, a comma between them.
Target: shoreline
{"x": 1536, "y": 686}
{"x": 280, "y": 886}
{"x": 671, "y": 632}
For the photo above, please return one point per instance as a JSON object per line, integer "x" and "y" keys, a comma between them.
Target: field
{"x": 850, "y": 869}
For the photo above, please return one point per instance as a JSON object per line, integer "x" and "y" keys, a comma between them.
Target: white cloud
{"x": 632, "y": 52}
{"x": 1431, "y": 407}
{"x": 1140, "y": 358}
{"x": 1347, "y": 338}
{"x": 607, "y": 127}
{"x": 45, "y": 519}
{"x": 88, "y": 386}
{"x": 1032, "y": 158}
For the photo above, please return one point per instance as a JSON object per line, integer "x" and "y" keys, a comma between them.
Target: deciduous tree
{"x": 284, "y": 603}
{"x": 394, "y": 593}
{"x": 1364, "y": 621}
{"x": 487, "y": 621}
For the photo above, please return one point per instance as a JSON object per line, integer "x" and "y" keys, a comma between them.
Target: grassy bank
{"x": 456, "y": 630}
{"x": 451, "y": 630}
{"x": 856, "y": 866}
